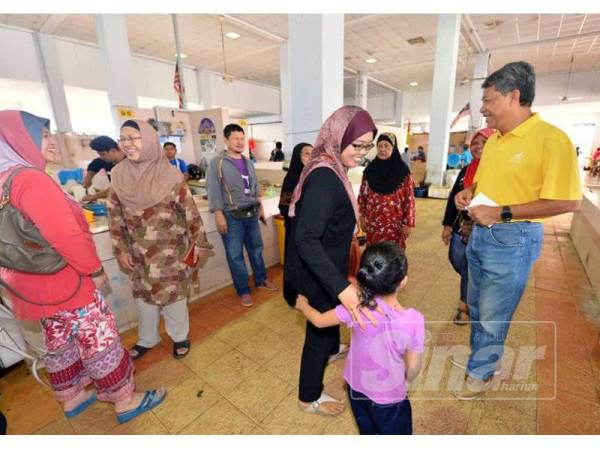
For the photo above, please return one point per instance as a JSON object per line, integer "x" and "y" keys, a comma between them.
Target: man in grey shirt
{"x": 234, "y": 198}
{"x": 406, "y": 157}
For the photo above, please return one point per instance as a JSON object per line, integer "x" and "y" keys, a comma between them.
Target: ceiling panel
{"x": 255, "y": 56}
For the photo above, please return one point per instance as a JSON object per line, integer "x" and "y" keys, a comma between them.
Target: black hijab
{"x": 386, "y": 175}
{"x": 291, "y": 178}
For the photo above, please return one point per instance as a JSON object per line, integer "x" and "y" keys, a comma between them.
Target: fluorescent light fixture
{"x": 413, "y": 83}
{"x": 183, "y": 55}
{"x": 232, "y": 35}
{"x": 370, "y": 60}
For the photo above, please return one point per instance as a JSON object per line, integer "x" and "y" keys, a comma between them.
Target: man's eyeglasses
{"x": 123, "y": 140}
{"x": 365, "y": 147}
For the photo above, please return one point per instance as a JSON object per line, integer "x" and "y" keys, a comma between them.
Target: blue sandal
{"x": 80, "y": 408}
{"x": 151, "y": 399}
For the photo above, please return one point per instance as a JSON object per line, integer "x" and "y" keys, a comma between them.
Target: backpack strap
{"x": 8, "y": 184}
{"x": 222, "y": 180}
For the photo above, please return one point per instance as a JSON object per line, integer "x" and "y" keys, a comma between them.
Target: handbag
{"x": 465, "y": 226}
{"x": 22, "y": 246}
{"x": 238, "y": 212}
{"x": 357, "y": 247}
{"x": 189, "y": 259}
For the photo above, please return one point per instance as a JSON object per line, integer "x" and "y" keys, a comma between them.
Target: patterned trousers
{"x": 85, "y": 348}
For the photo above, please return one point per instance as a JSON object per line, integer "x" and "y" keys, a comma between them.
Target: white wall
{"x": 549, "y": 90}
{"x": 20, "y": 87}
{"x": 18, "y": 56}
{"x": 243, "y": 95}
{"x": 81, "y": 75}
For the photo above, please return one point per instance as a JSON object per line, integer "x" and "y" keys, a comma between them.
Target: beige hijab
{"x": 143, "y": 183}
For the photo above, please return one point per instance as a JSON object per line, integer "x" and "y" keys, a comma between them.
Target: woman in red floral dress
{"x": 386, "y": 198}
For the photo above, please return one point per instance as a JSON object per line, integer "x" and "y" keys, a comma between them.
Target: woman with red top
{"x": 79, "y": 329}
{"x": 457, "y": 224}
{"x": 386, "y": 198}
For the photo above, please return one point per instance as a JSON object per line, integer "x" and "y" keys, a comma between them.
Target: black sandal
{"x": 139, "y": 351}
{"x": 457, "y": 318}
{"x": 181, "y": 345}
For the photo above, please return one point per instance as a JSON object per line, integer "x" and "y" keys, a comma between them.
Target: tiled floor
{"x": 241, "y": 374}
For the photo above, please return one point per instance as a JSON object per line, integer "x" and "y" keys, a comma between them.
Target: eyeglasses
{"x": 365, "y": 147}
{"x": 128, "y": 139}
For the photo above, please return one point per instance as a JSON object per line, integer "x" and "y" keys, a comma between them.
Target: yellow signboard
{"x": 125, "y": 113}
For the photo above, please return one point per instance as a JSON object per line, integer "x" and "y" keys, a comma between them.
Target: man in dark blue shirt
{"x": 109, "y": 154}
{"x": 171, "y": 153}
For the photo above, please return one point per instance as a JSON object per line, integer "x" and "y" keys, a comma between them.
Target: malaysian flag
{"x": 462, "y": 113}
{"x": 177, "y": 85}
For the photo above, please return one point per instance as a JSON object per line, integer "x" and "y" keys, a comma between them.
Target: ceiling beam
{"x": 53, "y": 23}
{"x": 361, "y": 19}
{"x": 471, "y": 35}
{"x": 547, "y": 41}
{"x": 243, "y": 56}
{"x": 267, "y": 34}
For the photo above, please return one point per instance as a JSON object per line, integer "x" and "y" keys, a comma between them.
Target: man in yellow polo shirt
{"x": 529, "y": 170}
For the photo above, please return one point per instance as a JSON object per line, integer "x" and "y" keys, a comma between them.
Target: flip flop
{"x": 151, "y": 399}
{"x": 81, "y": 407}
{"x": 457, "y": 318}
{"x": 139, "y": 351}
{"x": 179, "y": 345}
{"x": 315, "y": 407}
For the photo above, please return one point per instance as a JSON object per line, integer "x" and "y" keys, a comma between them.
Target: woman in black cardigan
{"x": 300, "y": 157}
{"x": 325, "y": 214}
{"x": 452, "y": 234}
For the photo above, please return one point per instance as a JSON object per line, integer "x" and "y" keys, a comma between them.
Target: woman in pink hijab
{"x": 79, "y": 329}
{"x": 326, "y": 213}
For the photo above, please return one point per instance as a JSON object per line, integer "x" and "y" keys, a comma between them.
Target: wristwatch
{"x": 506, "y": 214}
{"x": 97, "y": 273}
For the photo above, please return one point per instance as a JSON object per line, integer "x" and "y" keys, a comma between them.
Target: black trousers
{"x": 372, "y": 418}
{"x": 2, "y": 423}
{"x": 289, "y": 291}
{"x": 319, "y": 344}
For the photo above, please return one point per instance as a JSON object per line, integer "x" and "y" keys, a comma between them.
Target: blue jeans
{"x": 373, "y": 418}
{"x": 244, "y": 233}
{"x": 500, "y": 259}
{"x": 457, "y": 254}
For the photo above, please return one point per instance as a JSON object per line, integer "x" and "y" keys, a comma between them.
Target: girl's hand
{"x": 301, "y": 302}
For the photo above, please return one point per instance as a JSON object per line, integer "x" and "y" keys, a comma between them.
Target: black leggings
{"x": 319, "y": 344}
{"x": 2, "y": 423}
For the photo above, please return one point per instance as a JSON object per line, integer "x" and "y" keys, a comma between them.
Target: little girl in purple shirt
{"x": 385, "y": 357}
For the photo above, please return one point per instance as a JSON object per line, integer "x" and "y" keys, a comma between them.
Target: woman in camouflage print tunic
{"x": 153, "y": 223}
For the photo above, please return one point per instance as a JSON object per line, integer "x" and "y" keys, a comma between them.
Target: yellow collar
{"x": 524, "y": 127}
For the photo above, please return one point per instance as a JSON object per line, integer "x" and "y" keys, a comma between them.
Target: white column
{"x": 316, "y": 52}
{"x": 361, "y": 91}
{"x": 442, "y": 95}
{"x": 286, "y": 99}
{"x": 205, "y": 97}
{"x": 399, "y": 119}
{"x": 116, "y": 62}
{"x": 480, "y": 72}
{"x": 53, "y": 81}
{"x": 399, "y": 109}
